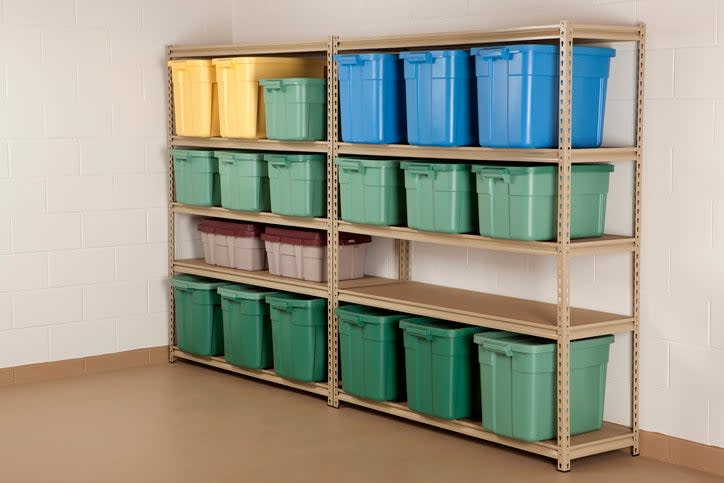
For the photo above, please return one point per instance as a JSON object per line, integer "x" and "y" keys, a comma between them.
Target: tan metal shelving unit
{"x": 558, "y": 321}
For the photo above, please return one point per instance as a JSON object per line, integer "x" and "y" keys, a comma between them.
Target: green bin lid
{"x": 528, "y": 344}
{"x": 418, "y": 165}
{"x": 292, "y": 81}
{"x": 284, "y": 300}
{"x": 538, "y": 168}
{"x": 367, "y": 162}
{"x": 196, "y": 282}
{"x": 439, "y": 328}
{"x": 240, "y": 155}
{"x": 192, "y": 153}
{"x": 247, "y": 292}
{"x": 295, "y": 158}
{"x": 370, "y": 315}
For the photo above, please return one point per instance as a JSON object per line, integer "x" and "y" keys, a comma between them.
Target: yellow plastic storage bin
{"x": 241, "y": 98}
{"x": 195, "y": 98}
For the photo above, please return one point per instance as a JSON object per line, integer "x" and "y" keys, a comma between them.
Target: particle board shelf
{"x": 581, "y": 246}
{"x": 319, "y": 388}
{"x": 484, "y": 310}
{"x": 251, "y": 144}
{"x": 261, "y": 217}
{"x": 588, "y": 32}
{"x": 473, "y": 153}
{"x": 197, "y": 266}
{"x": 261, "y": 278}
{"x": 610, "y": 437}
{"x": 196, "y": 51}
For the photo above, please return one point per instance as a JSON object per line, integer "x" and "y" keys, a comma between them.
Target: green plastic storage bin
{"x": 371, "y": 352}
{"x": 298, "y": 184}
{"x": 244, "y": 181}
{"x": 199, "y": 324}
{"x": 299, "y": 335}
{"x": 439, "y": 197}
{"x": 196, "y": 177}
{"x": 296, "y": 108}
{"x": 371, "y": 191}
{"x": 518, "y": 381}
{"x": 247, "y": 326}
{"x": 519, "y": 202}
{"x": 440, "y": 369}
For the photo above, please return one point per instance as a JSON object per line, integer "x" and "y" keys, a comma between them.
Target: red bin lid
{"x": 230, "y": 228}
{"x": 309, "y": 238}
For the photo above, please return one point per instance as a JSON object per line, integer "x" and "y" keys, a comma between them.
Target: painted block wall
{"x": 83, "y": 232}
{"x": 682, "y": 347}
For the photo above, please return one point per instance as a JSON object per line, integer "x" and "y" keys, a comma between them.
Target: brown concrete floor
{"x": 182, "y": 423}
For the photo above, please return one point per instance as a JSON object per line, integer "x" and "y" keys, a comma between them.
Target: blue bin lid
{"x": 434, "y": 53}
{"x": 545, "y": 49}
{"x": 357, "y": 58}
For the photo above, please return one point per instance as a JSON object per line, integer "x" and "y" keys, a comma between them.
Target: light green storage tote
{"x": 247, "y": 326}
{"x": 199, "y": 325}
{"x": 441, "y": 373}
{"x": 298, "y": 184}
{"x": 518, "y": 385}
{"x": 296, "y": 108}
{"x": 299, "y": 335}
{"x": 371, "y": 352}
{"x": 519, "y": 202}
{"x": 244, "y": 181}
{"x": 439, "y": 197}
{"x": 371, "y": 191}
{"x": 196, "y": 177}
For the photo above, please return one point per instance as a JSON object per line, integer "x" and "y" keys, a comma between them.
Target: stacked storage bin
{"x": 244, "y": 181}
{"x": 199, "y": 322}
{"x": 299, "y": 336}
{"x": 247, "y": 326}
{"x": 195, "y": 98}
{"x": 233, "y": 245}
{"x": 295, "y": 109}
{"x": 298, "y": 184}
{"x": 302, "y": 254}
{"x": 196, "y": 177}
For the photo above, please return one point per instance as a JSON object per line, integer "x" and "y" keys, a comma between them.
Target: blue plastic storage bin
{"x": 372, "y": 98}
{"x": 440, "y": 98}
{"x": 518, "y": 95}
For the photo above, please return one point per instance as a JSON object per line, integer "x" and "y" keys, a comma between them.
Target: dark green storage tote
{"x": 298, "y": 184}
{"x": 441, "y": 373}
{"x": 519, "y": 202}
{"x": 247, "y": 326}
{"x": 296, "y": 108}
{"x": 199, "y": 324}
{"x": 196, "y": 177}
{"x": 299, "y": 334}
{"x": 371, "y": 352}
{"x": 244, "y": 181}
{"x": 371, "y": 191}
{"x": 439, "y": 197}
{"x": 518, "y": 381}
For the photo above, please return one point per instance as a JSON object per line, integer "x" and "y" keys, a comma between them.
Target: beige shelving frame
{"x": 559, "y": 321}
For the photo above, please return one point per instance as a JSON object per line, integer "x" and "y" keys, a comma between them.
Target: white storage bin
{"x": 233, "y": 245}
{"x": 302, "y": 254}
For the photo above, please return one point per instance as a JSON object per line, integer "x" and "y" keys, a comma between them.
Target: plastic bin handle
{"x": 279, "y": 161}
{"x": 351, "y": 165}
{"x": 498, "y": 173}
{"x": 499, "y": 347}
{"x": 419, "y": 58}
{"x": 502, "y": 53}
{"x": 419, "y": 332}
{"x": 423, "y": 169}
{"x": 272, "y": 84}
{"x": 349, "y": 59}
{"x": 356, "y": 320}
{"x": 281, "y": 306}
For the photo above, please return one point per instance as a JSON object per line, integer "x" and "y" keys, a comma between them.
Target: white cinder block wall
{"x": 682, "y": 391}
{"x": 82, "y": 171}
